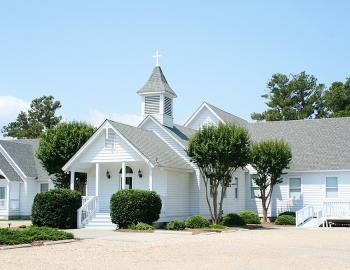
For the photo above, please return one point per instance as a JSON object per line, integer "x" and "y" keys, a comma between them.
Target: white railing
{"x": 320, "y": 218}
{"x": 87, "y": 210}
{"x": 304, "y": 214}
{"x": 336, "y": 209}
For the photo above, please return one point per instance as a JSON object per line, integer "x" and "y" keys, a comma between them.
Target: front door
{"x": 128, "y": 182}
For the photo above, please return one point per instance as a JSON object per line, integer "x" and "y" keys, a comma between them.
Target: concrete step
{"x": 102, "y": 220}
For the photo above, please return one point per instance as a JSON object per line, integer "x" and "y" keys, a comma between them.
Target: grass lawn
{"x": 16, "y": 236}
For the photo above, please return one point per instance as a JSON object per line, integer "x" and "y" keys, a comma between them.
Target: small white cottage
{"x": 152, "y": 156}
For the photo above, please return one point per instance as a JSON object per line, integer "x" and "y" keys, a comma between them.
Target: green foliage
{"x": 233, "y": 220}
{"x": 292, "y": 97}
{"x": 176, "y": 225}
{"x": 270, "y": 158}
{"x": 56, "y": 208}
{"x": 219, "y": 151}
{"x": 132, "y": 206}
{"x": 250, "y": 217}
{"x": 30, "y": 234}
{"x": 39, "y": 117}
{"x": 285, "y": 220}
{"x": 217, "y": 226}
{"x": 58, "y": 145}
{"x": 287, "y": 213}
{"x": 196, "y": 221}
{"x": 337, "y": 99}
{"x": 141, "y": 227}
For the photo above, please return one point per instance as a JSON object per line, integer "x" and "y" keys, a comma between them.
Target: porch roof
{"x": 8, "y": 170}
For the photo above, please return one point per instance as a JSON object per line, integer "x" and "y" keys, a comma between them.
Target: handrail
{"x": 336, "y": 208}
{"x": 87, "y": 210}
{"x": 303, "y": 215}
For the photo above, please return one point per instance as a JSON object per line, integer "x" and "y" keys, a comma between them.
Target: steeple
{"x": 157, "y": 97}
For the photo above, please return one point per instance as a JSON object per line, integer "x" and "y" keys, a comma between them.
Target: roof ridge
{"x": 302, "y": 120}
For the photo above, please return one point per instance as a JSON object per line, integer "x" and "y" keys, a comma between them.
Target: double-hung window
{"x": 44, "y": 187}
{"x": 2, "y": 197}
{"x": 294, "y": 188}
{"x": 254, "y": 188}
{"x": 235, "y": 186}
{"x": 331, "y": 187}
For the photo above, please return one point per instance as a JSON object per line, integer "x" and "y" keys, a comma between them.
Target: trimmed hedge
{"x": 287, "y": 213}
{"x": 141, "y": 227}
{"x": 9, "y": 236}
{"x": 176, "y": 225}
{"x": 131, "y": 206}
{"x": 56, "y": 208}
{"x": 285, "y": 220}
{"x": 250, "y": 217}
{"x": 196, "y": 221}
{"x": 232, "y": 220}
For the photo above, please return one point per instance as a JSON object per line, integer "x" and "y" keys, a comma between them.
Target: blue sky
{"x": 94, "y": 55}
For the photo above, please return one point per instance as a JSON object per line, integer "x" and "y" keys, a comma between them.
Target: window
{"x": 294, "y": 187}
{"x": 235, "y": 186}
{"x": 110, "y": 140}
{"x": 127, "y": 170}
{"x": 152, "y": 104}
{"x": 254, "y": 188}
{"x": 168, "y": 106}
{"x": 2, "y": 197}
{"x": 331, "y": 187}
{"x": 44, "y": 187}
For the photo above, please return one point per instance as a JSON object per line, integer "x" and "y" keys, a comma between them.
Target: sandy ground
{"x": 14, "y": 223}
{"x": 255, "y": 249}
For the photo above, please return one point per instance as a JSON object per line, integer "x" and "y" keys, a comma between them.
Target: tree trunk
{"x": 264, "y": 208}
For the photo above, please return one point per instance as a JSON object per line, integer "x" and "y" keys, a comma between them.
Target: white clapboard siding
{"x": 178, "y": 195}
{"x": 98, "y": 152}
{"x": 204, "y": 117}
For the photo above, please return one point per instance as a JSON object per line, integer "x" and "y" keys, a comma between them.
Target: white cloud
{"x": 96, "y": 117}
{"x": 10, "y": 106}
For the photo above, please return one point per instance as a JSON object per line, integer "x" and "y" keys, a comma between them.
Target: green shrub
{"x": 196, "y": 221}
{"x": 250, "y": 217}
{"x": 217, "y": 226}
{"x": 285, "y": 220}
{"x": 141, "y": 227}
{"x": 176, "y": 225}
{"x": 56, "y": 208}
{"x": 232, "y": 220}
{"x": 131, "y": 206}
{"x": 287, "y": 213}
{"x": 28, "y": 235}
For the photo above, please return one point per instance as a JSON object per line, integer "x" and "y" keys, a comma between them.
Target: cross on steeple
{"x": 157, "y": 56}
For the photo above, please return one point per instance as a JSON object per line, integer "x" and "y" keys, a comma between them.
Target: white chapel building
{"x": 153, "y": 157}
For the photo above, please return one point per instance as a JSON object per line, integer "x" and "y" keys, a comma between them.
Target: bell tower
{"x": 157, "y": 96}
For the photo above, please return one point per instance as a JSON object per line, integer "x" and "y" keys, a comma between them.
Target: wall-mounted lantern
{"x": 108, "y": 174}
{"x": 140, "y": 173}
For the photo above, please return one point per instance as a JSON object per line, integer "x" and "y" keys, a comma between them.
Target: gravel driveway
{"x": 255, "y": 249}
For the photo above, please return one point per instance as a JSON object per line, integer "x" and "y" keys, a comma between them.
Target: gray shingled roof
{"x": 23, "y": 154}
{"x": 151, "y": 146}
{"x": 319, "y": 144}
{"x": 181, "y": 133}
{"x": 227, "y": 117}
{"x": 157, "y": 83}
{"x": 8, "y": 170}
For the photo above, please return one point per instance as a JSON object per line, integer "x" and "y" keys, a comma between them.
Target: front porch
{"x": 105, "y": 179}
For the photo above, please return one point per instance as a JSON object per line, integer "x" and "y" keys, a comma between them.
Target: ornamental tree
{"x": 270, "y": 158}
{"x": 58, "y": 145}
{"x": 218, "y": 152}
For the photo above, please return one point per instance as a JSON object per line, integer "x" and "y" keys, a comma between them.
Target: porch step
{"x": 310, "y": 223}
{"x": 102, "y": 220}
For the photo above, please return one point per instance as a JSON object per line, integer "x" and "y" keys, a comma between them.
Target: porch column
{"x": 72, "y": 175}
{"x": 150, "y": 178}
{"x": 123, "y": 174}
{"x": 97, "y": 177}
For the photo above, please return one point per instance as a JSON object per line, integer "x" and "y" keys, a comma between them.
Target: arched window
{"x": 127, "y": 170}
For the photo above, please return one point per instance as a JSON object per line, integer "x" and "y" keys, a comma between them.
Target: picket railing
{"x": 304, "y": 214}
{"x": 87, "y": 210}
{"x": 336, "y": 209}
